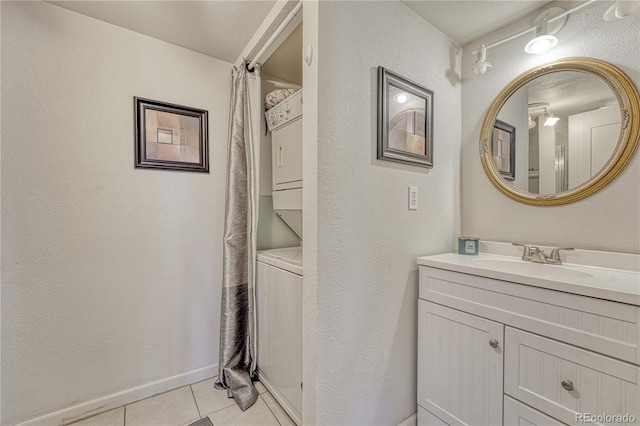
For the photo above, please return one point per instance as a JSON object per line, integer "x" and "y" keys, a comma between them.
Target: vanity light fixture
{"x": 546, "y": 25}
{"x": 401, "y": 98}
{"x": 543, "y": 41}
{"x": 536, "y": 109}
{"x": 482, "y": 65}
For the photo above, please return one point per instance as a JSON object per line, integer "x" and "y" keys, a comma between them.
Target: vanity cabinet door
{"x": 460, "y": 366}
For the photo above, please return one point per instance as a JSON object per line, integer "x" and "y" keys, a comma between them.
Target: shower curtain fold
{"x": 237, "y": 317}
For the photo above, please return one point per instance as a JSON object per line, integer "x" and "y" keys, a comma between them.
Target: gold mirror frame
{"x": 628, "y": 100}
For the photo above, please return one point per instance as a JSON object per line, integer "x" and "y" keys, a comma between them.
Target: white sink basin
{"x": 588, "y": 280}
{"x": 531, "y": 268}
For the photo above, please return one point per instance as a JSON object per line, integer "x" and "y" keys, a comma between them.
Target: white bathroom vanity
{"x": 506, "y": 341}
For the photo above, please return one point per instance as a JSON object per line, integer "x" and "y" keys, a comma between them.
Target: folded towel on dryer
{"x": 275, "y": 97}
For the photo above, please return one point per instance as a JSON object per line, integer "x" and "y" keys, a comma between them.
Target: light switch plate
{"x": 413, "y": 198}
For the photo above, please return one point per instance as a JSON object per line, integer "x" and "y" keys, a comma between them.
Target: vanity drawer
{"x": 562, "y": 380}
{"x": 516, "y": 413}
{"x": 610, "y": 328}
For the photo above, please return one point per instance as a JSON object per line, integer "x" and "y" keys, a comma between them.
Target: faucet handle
{"x": 526, "y": 254}
{"x": 555, "y": 253}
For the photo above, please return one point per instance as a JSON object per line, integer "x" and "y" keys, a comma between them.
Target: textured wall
{"x": 310, "y": 166}
{"x": 1, "y": 278}
{"x": 367, "y": 239}
{"x": 110, "y": 275}
{"x": 608, "y": 220}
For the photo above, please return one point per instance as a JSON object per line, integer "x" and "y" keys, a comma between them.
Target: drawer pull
{"x": 493, "y": 343}
{"x": 567, "y": 385}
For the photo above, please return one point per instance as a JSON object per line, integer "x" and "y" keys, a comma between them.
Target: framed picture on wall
{"x": 405, "y": 120}
{"x": 171, "y": 137}
{"x": 503, "y": 147}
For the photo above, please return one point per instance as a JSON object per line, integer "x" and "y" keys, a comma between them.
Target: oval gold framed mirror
{"x": 560, "y": 132}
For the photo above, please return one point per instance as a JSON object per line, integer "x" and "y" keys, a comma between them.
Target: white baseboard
{"x": 118, "y": 399}
{"x": 412, "y": 420}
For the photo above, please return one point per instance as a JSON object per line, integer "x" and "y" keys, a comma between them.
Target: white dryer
{"x": 279, "y": 328}
{"x": 285, "y": 124}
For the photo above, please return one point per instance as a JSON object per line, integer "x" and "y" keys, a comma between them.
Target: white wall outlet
{"x": 413, "y": 198}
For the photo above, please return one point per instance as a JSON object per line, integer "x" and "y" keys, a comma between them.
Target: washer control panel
{"x": 286, "y": 111}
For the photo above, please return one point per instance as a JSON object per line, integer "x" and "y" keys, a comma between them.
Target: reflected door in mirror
{"x": 593, "y": 136}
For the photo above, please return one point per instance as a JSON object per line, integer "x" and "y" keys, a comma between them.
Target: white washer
{"x": 279, "y": 329}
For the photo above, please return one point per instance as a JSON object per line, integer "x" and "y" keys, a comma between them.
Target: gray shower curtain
{"x": 237, "y": 318}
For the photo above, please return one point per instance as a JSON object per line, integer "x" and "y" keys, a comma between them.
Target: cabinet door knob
{"x": 493, "y": 343}
{"x": 567, "y": 385}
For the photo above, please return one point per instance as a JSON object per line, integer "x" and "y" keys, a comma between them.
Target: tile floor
{"x": 185, "y": 405}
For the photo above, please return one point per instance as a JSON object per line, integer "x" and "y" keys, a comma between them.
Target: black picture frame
{"x": 405, "y": 120}
{"x": 503, "y": 149}
{"x": 170, "y": 136}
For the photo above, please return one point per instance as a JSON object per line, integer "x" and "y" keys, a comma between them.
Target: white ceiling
{"x": 464, "y": 21}
{"x": 218, "y": 28}
{"x": 222, "y": 28}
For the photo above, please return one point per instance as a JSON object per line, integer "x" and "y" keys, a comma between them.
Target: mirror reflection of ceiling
{"x": 570, "y": 92}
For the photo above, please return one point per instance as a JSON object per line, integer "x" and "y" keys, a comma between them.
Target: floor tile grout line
{"x": 195, "y": 400}
{"x": 124, "y": 407}
{"x": 219, "y": 409}
{"x": 157, "y": 394}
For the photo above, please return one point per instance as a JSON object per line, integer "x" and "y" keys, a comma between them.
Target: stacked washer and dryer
{"x": 279, "y": 271}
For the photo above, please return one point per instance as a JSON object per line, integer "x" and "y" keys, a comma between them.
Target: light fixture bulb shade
{"x": 551, "y": 120}
{"x": 541, "y": 44}
{"x": 482, "y": 65}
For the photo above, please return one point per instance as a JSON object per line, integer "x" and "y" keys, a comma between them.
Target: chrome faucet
{"x": 537, "y": 255}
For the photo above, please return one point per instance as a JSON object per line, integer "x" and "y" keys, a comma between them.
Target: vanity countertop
{"x": 618, "y": 285}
